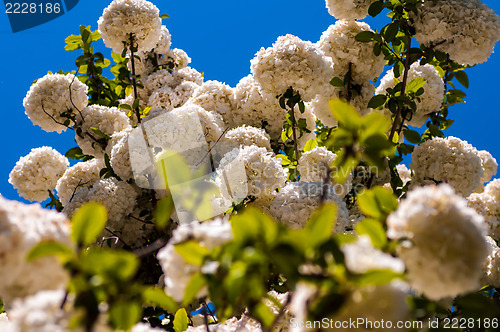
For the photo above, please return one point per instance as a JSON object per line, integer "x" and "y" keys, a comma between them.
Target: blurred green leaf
{"x": 88, "y": 222}
{"x": 193, "y": 287}
{"x": 374, "y": 230}
{"x": 163, "y": 211}
{"x": 49, "y": 248}
{"x": 157, "y": 297}
{"x": 181, "y": 320}
{"x": 192, "y": 252}
{"x": 124, "y": 315}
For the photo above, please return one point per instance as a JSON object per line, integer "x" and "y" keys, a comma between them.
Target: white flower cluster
{"x": 465, "y": 29}
{"x": 42, "y": 312}
{"x": 491, "y": 266}
{"x": 338, "y": 43}
{"x": 292, "y": 62}
{"x": 118, "y": 197}
{"x": 37, "y": 173}
{"x": 447, "y": 160}
{"x": 50, "y": 96}
{"x": 246, "y": 136}
{"x": 294, "y": 204}
{"x": 144, "y": 327}
{"x": 214, "y": 96}
{"x": 489, "y": 164}
{"x": 177, "y": 57}
{"x": 21, "y": 228}
{"x": 314, "y": 166}
{"x": 173, "y": 59}
{"x": 361, "y": 257}
{"x": 234, "y": 324}
{"x": 360, "y": 102}
{"x": 264, "y": 172}
{"x": 118, "y": 151}
{"x": 108, "y": 120}
{"x": 123, "y": 18}
{"x": 446, "y": 248}
{"x": 348, "y": 10}
{"x": 163, "y": 45}
{"x": 429, "y": 102}
{"x": 487, "y": 204}
{"x": 81, "y": 175}
{"x": 177, "y": 271}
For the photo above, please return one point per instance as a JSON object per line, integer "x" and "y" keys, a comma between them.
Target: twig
{"x": 126, "y": 246}
{"x": 213, "y": 146}
{"x": 349, "y": 84}
{"x": 134, "y": 83}
{"x": 294, "y": 134}
{"x": 150, "y": 248}
{"x": 71, "y": 99}
{"x": 59, "y": 123}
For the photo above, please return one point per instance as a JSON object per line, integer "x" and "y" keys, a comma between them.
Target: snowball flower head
{"x": 214, "y": 96}
{"x": 164, "y": 43}
{"x": 348, "y": 9}
{"x": 465, "y": 29}
{"x": 37, "y": 173}
{"x": 178, "y": 272}
{"x": 294, "y": 204}
{"x": 119, "y": 154}
{"x": 489, "y": 164}
{"x": 447, "y": 246}
{"x": 447, "y": 160}
{"x": 123, "y": 18}
{"x": 314, "y": 166}
{"x": 429, "y": 102}
{"x": 491, "y": 266}
{"x": 83, "y": 174}
{"x": 338, "y": 43}
{"x": 106, "y": 119}
{"x": 292, "y": 62}
{"x": 246, "y": 136}
{"x": 50, "y": 96}
{"x": 21, "y": 228}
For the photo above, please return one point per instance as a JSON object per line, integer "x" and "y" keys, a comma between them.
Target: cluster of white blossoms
{"x": 233, "y": 324}
{"x": 314, "y": 165}
{"x": 465, "y": 29}
{"x": 292, "y": 62}
{"x": 163, "y": 44}
{"x": 359, "y": 101}
{"x": 487, "y": 204}
{"x": 214, "y": 96}
{"x": 429, "y": 102}
{"x": 21, "y": 228}
{"x": 348, "y": 10}
{"x": 264, "y": 173}
{"x": 81, "y": 175}
{"x": 123, "y": 18}
{"x": 118, "y": 151}
{"x": 52, "y": 95}
{"x": 173, "y": 59}
{"x": 37, "y": 173}
{"x": 491, "y": 266}
{"x": 107, "y": 120}
{"x": 489, "y": 164}
{"x": 446, "y": 246}
{"x": 177, "y": 271}
{"x": 247, "y": 135}
{"x": 447, "y": 160}
{"x": 295, "y": 202}
{"x": 338, "y": 42}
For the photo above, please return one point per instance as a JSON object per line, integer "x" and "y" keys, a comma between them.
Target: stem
{"x": 349, "y": 84}
{"x": 71, "y": 99}
{"x": 294, "y": 133}
{"x": 403, "y": 90}
{"x": 134, "y": 83}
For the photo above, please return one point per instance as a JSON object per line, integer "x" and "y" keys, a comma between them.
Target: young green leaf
{"x": 192, "y": 252}
{"x": 49, "y": 248}
{"x": 181, "y": 320}
{"x": 88, "y": 222}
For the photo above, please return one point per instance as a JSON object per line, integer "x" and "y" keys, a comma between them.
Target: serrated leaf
{"x": 88, "y": 222}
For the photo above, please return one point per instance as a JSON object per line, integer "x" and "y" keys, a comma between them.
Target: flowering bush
{"x": 270, "y": 206}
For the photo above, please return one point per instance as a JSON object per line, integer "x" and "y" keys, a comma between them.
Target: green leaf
{"x": 377, "y": 202}
{"x": 364, "y": 36}
{"x": 311, "y": 144}
{"x": 377, "y": 101}
{"x": 412, "y": 136}
{"x": 253, "y": 224}
{"x": 321, "y": 224}
{"x": 111, "y": 264}
{"x": 124, "y": 315}
{"x": 398, "y": 69}
{"x": 192, "y": 252}
{"x": 374, "y": 230}
{"x": 49, "y": 248}
{"x": 192, "y": 289}
{"x": 462, "y": 77}
{"x": 337, "y": 81}
{"x": 157, "y": 297}
{"x": 415, "y": 84}
{"x": 163, "y": 16}
{"x": 163, "y": 210}
{"x": 375, "y": 8}
{"x": 345, "y": 113}
{"x": 181, "y": 320}
{"x": 377, "y": 277}
{"x": 88, "y": 222}
{"x": 391, "y": 31}
{"x": 100, "y": 133}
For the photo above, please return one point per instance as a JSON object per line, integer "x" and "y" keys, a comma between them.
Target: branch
{"x": 134, "y": 83}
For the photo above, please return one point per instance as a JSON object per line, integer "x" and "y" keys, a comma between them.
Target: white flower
{"x": 359, "y": 101}
{"x": 125, "y": 17}
{"x": 264, "y": 173}
{"x": 21, "y": 228}
{"x": 83, "y": 174}
{"x": 108, "y": 120}
{"x": 491, "y": 266}
{"x": 314, "y": 166}
{"x": 177, "y": 271}
{"x": 163, "y": 45}
{"x": 143, "y": 327}
{"x": 466, "y": 29}
{"x": 50, "y": 96}
{"x": 292, "y": 62}
{"x": 361, "y": 257}
{"x": 246, "y": 136}
{"x": 164, "y": 78}
{"x": 5, "y": 324}
{"x": 168, "y": 98}
{"x": 338, "y": 43}
{"x": 404, "y": 173}
{"x": 489, "y": 164}
{"x": 430, "y": 101}
{"x": 119, "y": 154}
{"x": 243, "y": 324}
{"x": 37, "y": 173}
{"x": 177, "y": 57}
{"x": 487, "y": 204}
{"x": 214, "y": 96}
{"x": 294, "y": 204}
{"x": 447, "y": 160}
{"x": 446, "y": 248}
{"x": 348, "y": 9}
{"x": 118, "y": 197}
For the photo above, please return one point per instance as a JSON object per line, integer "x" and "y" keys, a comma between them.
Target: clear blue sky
{"x": 221, "y": 37}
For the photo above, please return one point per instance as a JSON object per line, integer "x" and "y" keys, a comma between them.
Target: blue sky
{"x": 221, "y": 37}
